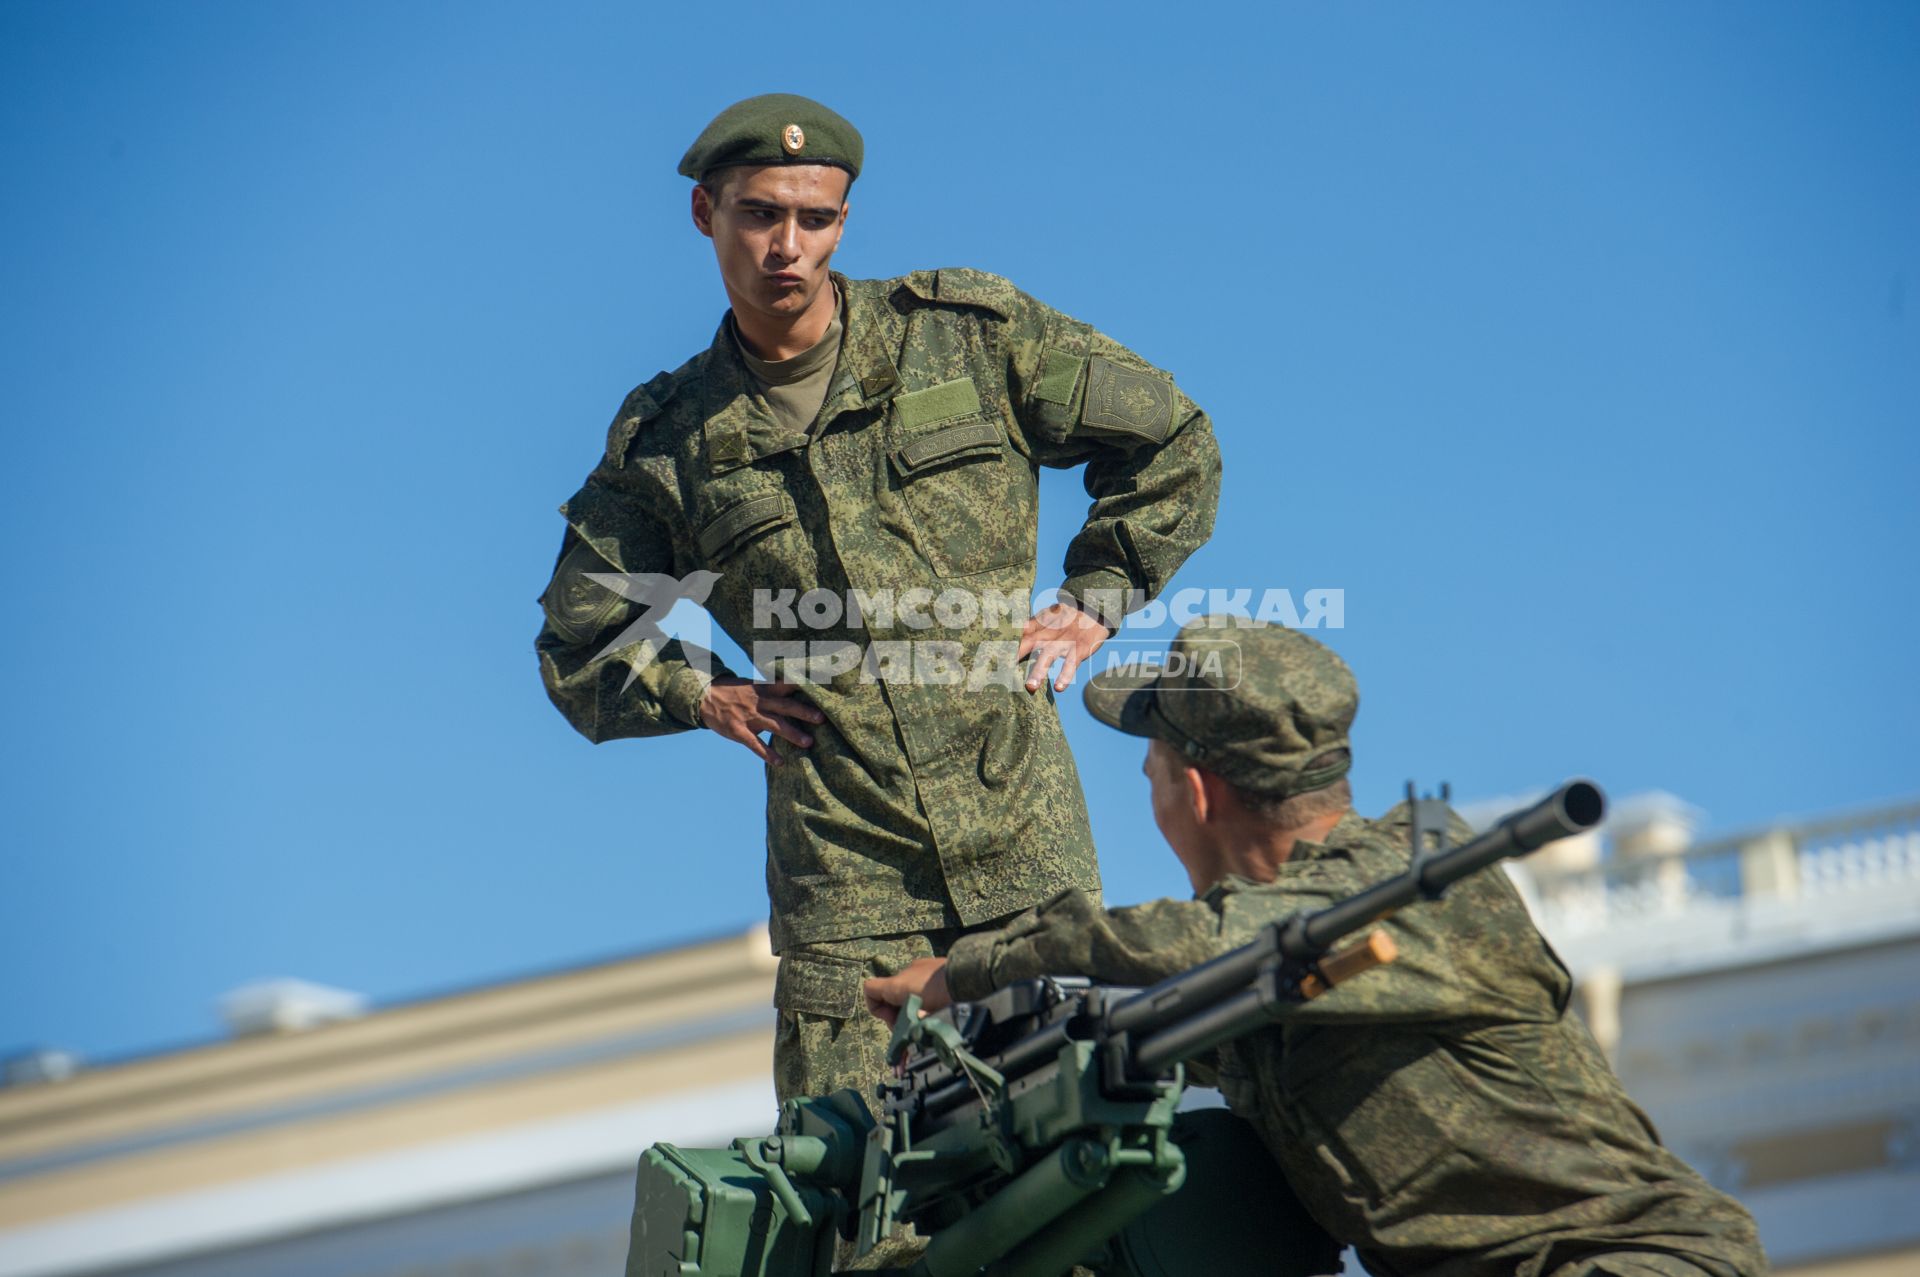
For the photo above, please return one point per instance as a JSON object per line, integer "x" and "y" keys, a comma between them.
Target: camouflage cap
{"x": 1259, "y": 705}
{"x": 774, "y": 128}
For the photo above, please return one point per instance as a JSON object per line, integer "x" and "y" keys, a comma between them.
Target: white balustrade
{"x": 1866, "y": 863}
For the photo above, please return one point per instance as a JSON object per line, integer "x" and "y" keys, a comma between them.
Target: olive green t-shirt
{"x": 792, "y": 389}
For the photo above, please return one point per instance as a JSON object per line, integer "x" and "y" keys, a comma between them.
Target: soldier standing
{"x": 871, "y": 442}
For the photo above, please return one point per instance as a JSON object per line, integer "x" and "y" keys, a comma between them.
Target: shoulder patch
{"x": 642, "y": 405}
{"x": 1128, "y": 401}
{"x": 577, "y": 606}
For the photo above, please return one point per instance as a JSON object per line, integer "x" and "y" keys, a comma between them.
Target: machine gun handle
{"x": 1375, "y": 949}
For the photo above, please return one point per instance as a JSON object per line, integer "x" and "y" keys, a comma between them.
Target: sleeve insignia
{"x": 1134, "y": 403}
{"x": 578, "y": 606}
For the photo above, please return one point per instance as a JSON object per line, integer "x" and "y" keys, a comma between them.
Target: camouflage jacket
{"x": 924, "y": 802}
{"x": 1443, "y": 1114}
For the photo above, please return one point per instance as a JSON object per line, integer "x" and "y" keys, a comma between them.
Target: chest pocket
{"x": 969, "y": 493}
{"x": 752, "y": 539}
{"x": 741, "y": 522}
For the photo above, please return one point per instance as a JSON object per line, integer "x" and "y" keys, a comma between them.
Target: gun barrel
{"x": 1576, "y": 806}
{"x": 1204, "y": 985}
{"x": 1202, "y": 1031}
{"x": 1573, "y": 808}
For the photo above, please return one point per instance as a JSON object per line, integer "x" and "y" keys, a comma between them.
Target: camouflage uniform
{"x": 922, "y": 808}
{"x": 1444, "y": 1114}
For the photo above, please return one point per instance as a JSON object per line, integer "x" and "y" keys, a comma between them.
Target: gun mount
{"x": 1036, "y": 1129}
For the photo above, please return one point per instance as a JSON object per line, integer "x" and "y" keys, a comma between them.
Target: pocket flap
{"x": 738, "y": 522}
{"x": 820, "y": 985}
{"x": 943, "y": 445}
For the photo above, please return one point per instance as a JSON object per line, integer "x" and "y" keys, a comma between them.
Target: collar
{"x": 1350, "y": 828}
{"x": 866, "y": 375}
{"x": 728, "y": 404}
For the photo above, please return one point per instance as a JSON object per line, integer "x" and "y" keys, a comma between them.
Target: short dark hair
{"x": 1301, "y": 809}
{"x": 714, "y": 183}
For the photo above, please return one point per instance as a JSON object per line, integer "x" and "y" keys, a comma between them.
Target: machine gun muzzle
{"x": 1197, "y": 1010}
{"x": 1575, "y": 807}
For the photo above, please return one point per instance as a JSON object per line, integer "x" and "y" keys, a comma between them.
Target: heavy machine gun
{"x": 1036, "y": 1129}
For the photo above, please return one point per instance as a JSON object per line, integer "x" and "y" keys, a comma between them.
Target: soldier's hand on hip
{"x": 741, "y": 710}
{"x": 1060, "y": 633}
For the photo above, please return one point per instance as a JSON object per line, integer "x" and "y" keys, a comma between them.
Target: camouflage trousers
{"x": 825, "y": 1039}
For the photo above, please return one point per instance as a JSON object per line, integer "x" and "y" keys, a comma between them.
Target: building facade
{"x": 1760, "y": 997}
{"x": 489, "y": 1133}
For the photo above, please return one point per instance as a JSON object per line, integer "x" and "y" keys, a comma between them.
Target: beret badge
{"x": 793, "y": 138}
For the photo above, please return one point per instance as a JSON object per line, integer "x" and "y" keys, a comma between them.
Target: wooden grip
{"x": 1375, "y": 949}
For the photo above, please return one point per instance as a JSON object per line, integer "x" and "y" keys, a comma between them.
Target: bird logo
{"x": 655, "y": 593}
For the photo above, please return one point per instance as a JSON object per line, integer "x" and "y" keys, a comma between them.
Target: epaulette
{"x": 642, "y": 405}
{"x": 960, "y": 286}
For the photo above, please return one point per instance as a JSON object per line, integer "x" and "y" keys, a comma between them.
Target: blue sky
{"x": 1574, "y": 343}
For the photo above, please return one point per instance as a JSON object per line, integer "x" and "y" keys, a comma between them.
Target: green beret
{"x": 774, "y": 128}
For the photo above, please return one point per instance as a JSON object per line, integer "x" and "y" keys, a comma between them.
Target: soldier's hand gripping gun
{"x": 1031, "y": 1131}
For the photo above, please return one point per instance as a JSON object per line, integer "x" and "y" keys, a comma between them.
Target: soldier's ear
{"x": 1202, "y": 791}
{"x": 703, "y": 209}
{"x": 1221, "y": 800}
